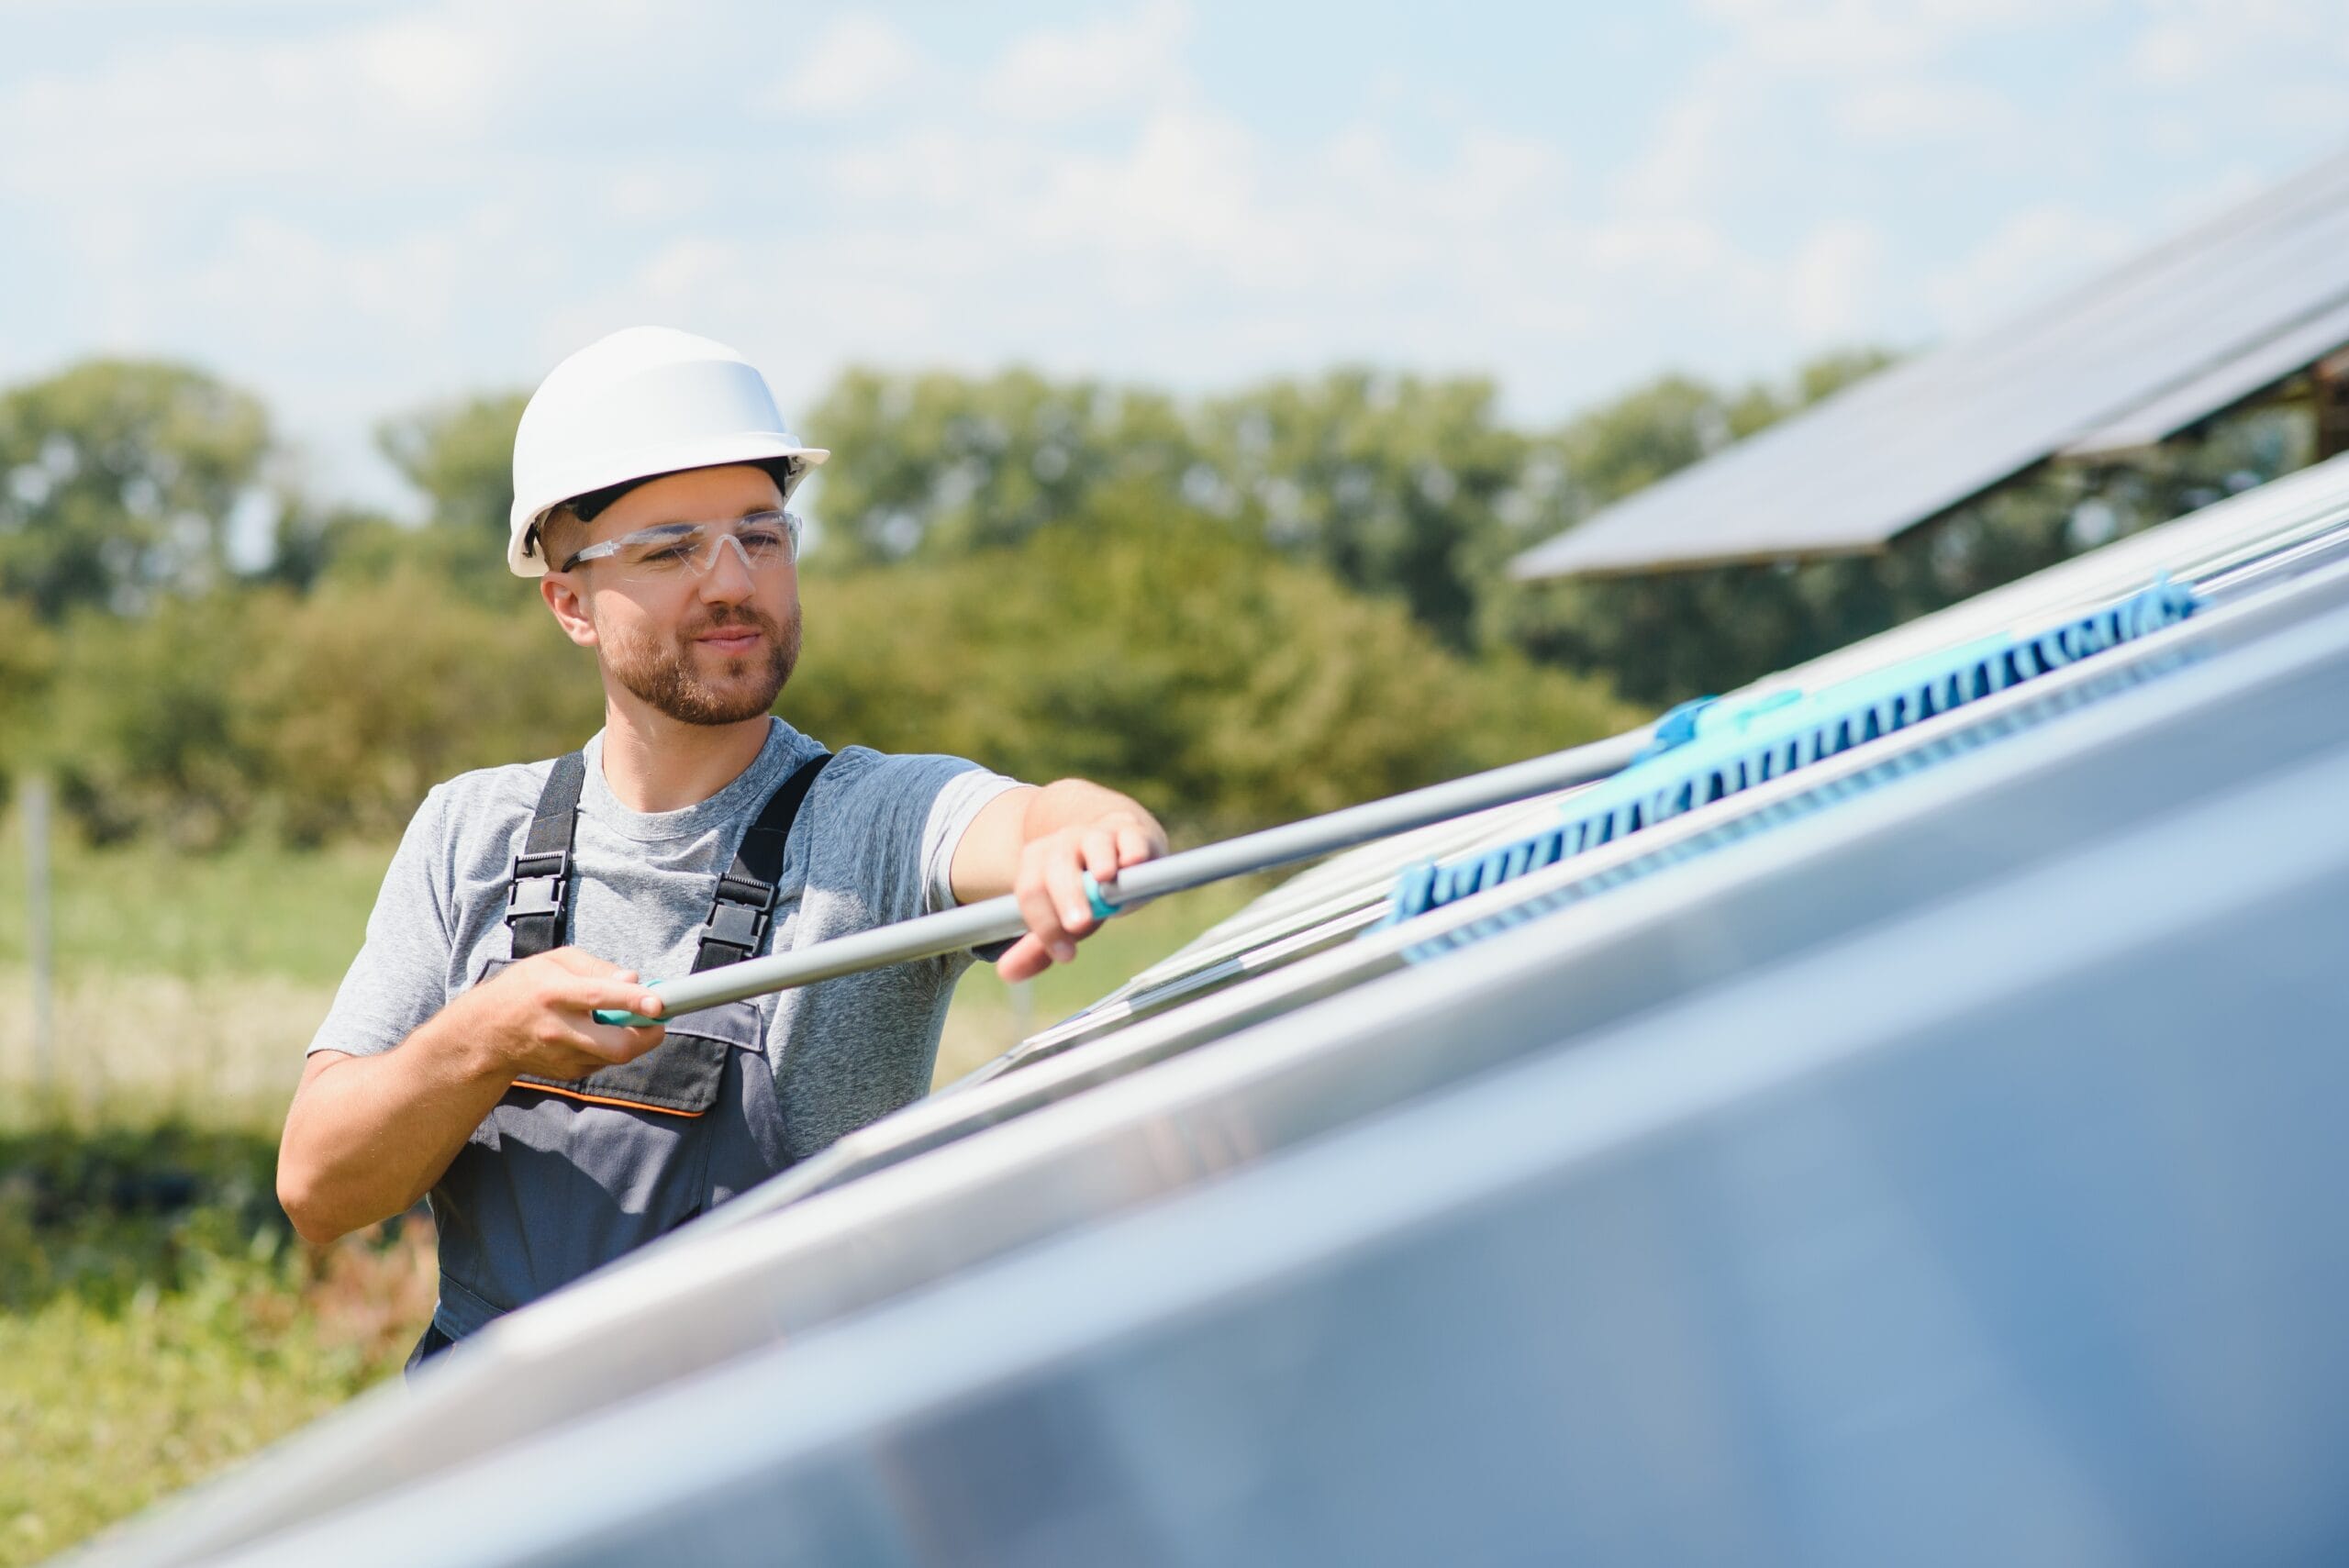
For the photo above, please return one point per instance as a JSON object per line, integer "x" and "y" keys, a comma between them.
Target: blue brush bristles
{"x": 1708, "y": 749}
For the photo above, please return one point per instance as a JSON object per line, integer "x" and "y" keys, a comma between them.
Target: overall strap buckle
{"x": 744, "y": 911}
{"x": 537, "y": 880}
{"x": 535, "y": 883}
{"x": 740, "y": 917}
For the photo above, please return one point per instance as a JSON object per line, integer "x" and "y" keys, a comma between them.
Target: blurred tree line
{"x": 1241, "y": 608}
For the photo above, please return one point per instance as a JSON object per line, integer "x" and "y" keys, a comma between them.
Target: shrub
{"x": 366, "y": 697}
{"x": 144, "y": 732}
{"x": 1168, "y": 656}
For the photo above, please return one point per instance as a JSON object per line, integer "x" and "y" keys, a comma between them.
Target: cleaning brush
{"x": 1709, "y": 748}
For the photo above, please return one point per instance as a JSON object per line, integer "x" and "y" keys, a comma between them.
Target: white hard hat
{"x": 644, "y": 401}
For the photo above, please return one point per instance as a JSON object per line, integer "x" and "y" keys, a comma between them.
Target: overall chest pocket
{"x": 684, "y": 1075}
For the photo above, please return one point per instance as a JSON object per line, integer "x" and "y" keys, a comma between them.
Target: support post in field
{"x": 37, "y": 947}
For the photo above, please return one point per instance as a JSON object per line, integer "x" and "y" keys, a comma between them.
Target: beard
{"x": 665, "y": 672}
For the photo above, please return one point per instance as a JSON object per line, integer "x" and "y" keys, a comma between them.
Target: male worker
{"x": 461, "y": 1057}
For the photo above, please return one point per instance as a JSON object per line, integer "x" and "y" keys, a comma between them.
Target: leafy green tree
{"x": 459, "y": 456}
{"x": 118, "y": 482}
{"x": 1167, "y": 652}
{"x": 143, "y": 722}
{"x": 314, "y": 540}
{"x": 374, "y": 691}
{"x": 28, "y": 666}
{"x": 940, "y": 465}
{"x": 311, "y": 717}
{"x": 1400, "y": 486}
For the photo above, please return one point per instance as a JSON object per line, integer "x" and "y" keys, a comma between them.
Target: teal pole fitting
{"x": 620, "y": 1018}
{"x": 1102, "y": 907}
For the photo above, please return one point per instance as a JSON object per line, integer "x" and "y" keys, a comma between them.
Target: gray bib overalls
{"x": 562, "y": 1177}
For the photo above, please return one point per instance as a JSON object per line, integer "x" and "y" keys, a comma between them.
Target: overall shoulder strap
{"x": 745, "y": 904}
{"x": 538, "y": 883}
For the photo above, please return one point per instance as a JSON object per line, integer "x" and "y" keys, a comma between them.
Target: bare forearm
{"x": 368, "y": 1135}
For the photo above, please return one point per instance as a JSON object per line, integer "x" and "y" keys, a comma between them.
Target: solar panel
{"x": 2219, "y": 388}
{"x": 1912, "y": 441}
{"x": 1367, "y": 1050}
{"x": 1999, "y": 1228}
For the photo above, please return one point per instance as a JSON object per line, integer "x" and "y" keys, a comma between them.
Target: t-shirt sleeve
{"x": 962, "y": 799}
{"x": 399, "y": 979}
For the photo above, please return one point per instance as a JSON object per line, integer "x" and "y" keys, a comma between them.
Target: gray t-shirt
{"x": 873, "y": 844}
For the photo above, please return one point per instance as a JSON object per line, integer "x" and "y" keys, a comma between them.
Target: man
{"x": 461, "y": 1059}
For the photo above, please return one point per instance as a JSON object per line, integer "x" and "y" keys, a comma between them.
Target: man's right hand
{"x": 536, "y": 1017}
{"x": 366, "y": 1136}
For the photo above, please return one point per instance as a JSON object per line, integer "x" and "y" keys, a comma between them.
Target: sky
{"x": 357, "y": 209}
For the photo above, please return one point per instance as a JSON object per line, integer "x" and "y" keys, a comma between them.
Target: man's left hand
{"x": 1050, "y": 884}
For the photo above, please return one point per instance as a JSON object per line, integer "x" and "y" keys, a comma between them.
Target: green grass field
{"x": 158, "y": 1319}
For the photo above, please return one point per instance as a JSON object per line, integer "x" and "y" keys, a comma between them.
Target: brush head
{"x": 1712, "y": 748}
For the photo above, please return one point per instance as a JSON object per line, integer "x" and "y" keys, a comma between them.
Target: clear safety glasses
{"x": 668, "y": 551}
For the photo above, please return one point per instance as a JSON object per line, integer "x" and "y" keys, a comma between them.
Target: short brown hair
{"x": 558, "y": 535}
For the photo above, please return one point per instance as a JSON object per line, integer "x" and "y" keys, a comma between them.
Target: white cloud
{"x": 1784, "y": 72}
{"x": 1851, "y": 38}
{"x": 359, "y": 99}
{"x": 685, "y": 272}
{"x": 1498, "y": 175}
{"x": 1697, "y": 147}
{"x": 1185, "y": 188}
{"x": 2192, "y": 42}
{"x": 856, "y": 64}
{"x": 2168, "y": 53}
{"x": 1832, "y": 289}
{"x": 439, "y": 94}
{"x": 356, "y": 213}
{"x": 2035, "y": 252}
{"x": 1067, "y": 74}
{"x": 1918, "y": 109}
{"x": 935, "y": 169}
{"x": 1680, "y": 247}
{"x": 643, "y": 192}
{"x": 431, "y": 70}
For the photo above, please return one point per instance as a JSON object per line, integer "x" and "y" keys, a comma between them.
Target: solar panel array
{"x": 2126, "y": 359}
{"x": 1924, "y": 1156}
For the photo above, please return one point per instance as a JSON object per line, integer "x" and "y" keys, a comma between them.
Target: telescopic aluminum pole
{"x": 997, "y": 919}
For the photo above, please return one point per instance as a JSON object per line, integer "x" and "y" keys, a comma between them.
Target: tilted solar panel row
{"x": 1083, "y": 1164}
{"x": 1991, "y": 1222}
